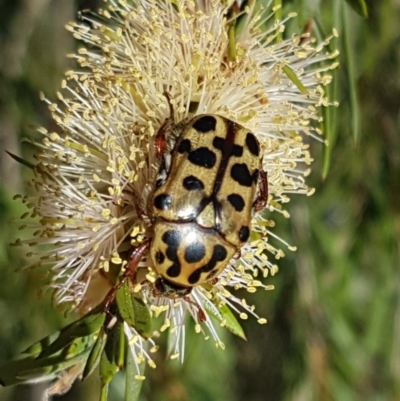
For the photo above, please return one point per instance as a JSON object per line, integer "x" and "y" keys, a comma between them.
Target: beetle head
{"x": 167, "y": 289}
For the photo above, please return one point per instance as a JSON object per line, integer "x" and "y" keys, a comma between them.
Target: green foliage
{"x": 359, "y": 6}
{"x": 98, "y": 338}
{"x": 133, "y": 311}
{"x": 225, "y": 317}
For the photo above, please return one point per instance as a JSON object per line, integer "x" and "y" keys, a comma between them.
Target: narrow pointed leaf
{"x": 277, "y": 7}
{"x": 108, "y": 360}
{"x": 224, "y": 315}
{"x": 132, "y": 384}
{"x": 31, "y": 369}
{"x": 125, "y": 306}
{"x": 79, "y": 345}
{"x": 294, "y": 78}
{"x": 87, "y": 325}
{"x": 351, "y": 76}
{"x": 359, "y": 6}
{"x": 95, "y": 355}
{"x": 307, "y": 10}
{"x": 329, "y": 124}
{"x": 134, "y": 311}
{"x": 108, "y": 369}
{"x": 143, "y": 323}
{"x": 240, "y": 21}
{"x": 121, "y": 351}
{"x": 41, "y": 345}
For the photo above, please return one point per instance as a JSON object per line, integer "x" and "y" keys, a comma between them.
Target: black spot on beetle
{"x": 174, "y": 270}
{"x": 237, "y": 150}
{"x": 255, "y": 176}
{"x": 162, "y": 201}
{"x": 191, "y": 183}
{"x": 241, "y": 174}
{"x": 184, "y": 146}
{"x": 219, "y": 143}
{"x": 252, "y": 144}
{"x": 195, "y": 276}
{"x": 205, "y": 124}
{"x": 160, "y": 257}
{"x": 236, "y": 201}
{"x": 172, "y": 238}
{"x": 244, "y": 233}
{"x": 203, "y": 157}
{"x": 219, "y": 254}
{"x": 172, "y": 253}
{"x": 195, "y": 252}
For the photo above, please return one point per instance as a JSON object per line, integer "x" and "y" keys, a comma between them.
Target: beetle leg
{"x": 200, "y": 313}
{"x": 129, "y": 273}
{"x": 171, "y": 108}
{"x": 140, "y": 212}
{"x": 160, "y": 138}
{"x": 169, "y": 121}
{"x": 214, "y": 280}
{"x": 262, "y": 198}
{"x": 237, "y": 254}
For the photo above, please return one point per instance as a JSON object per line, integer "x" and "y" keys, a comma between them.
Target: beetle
{"x": 209, "y": 185}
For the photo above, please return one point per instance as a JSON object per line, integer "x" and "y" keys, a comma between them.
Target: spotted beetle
{"x": 208, "y": 187}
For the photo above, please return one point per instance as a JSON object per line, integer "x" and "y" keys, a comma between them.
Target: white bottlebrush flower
{"x": 101, "y": 161}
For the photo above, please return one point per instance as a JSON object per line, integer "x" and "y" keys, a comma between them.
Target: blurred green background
{"x": 335, "y": 314}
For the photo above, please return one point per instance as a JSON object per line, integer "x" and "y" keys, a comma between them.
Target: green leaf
{"x": 41, "y": 345}
{"x": 87, "y": 325}
{"x": 329, "y": 124}
{"x": 307, "y": 10}
{"x": 241, "y": 20}
{"x": 95, "y": 354}
{"x": 294, "y": 78}
{"x": 134, "y": 311}
{"x": 109, "y": 358}
{"x": 351, "y": 75}
{"x": 143, "y": 323}
{"x": 103, "y": 393}
{"x": 132, "y": 384}
{"x": 277, "y": 6}
{"x": 125, "y": 305}
{"x": 232, "y": 41}
{"x": 108, "y": 369}
{"x": 121, "y": 351}
{"x": 56, "y": 352}
{"x": 359, "y": 6}
{"x": 224, "y": 315}
{"x": 32, "y": 369}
